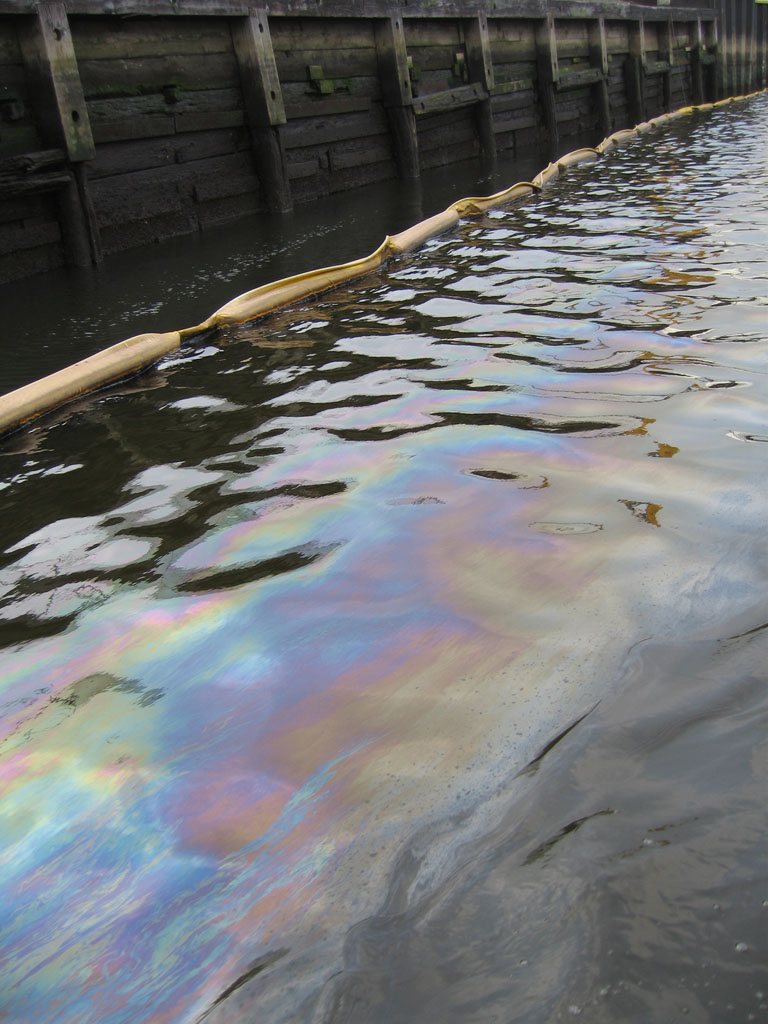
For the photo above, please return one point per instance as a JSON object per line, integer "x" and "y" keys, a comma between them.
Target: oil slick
{"x": 351, "y": 581}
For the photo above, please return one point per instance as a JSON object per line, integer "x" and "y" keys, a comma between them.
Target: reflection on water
{"x": 403, "y": 654}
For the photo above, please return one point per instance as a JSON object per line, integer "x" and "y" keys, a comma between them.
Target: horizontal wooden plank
{"x": 506, "y": 50}
{"x": 18, "y": 139}
{"x": 25, "y": 262}
{"x": 207, "y": 120}
{"x": 202, "y": 145}
{"x": 146, "y": 126}
{"x": 434, "y": 58}
{"x": 356, "y": 177}
{"x": 298, "y": 35}
{"x": 506, "y": 29}
{"x": 292, "y": 65}
{"x": 432, "y": 32}
{"x": 338, "y": 9}
{"x": 451, "y": 99}
{"x": 514, "y": 101}
{"x": 23, "y": 185}
{"x": 571, "y": 31}
{"x": 326, "y": 107}
{"x": 29, "y": 163}
{"x": 301, "y": 92}
{"x": 657, "y": 67}
{"x": 114, "y": 108}
{"x": 28, "y": 209}
{"x": 322, "y": 130}
{"x": 129, "y": 234}
{"x": 112, "y": 38}
{"x": 134, "y": 197}
{"x": 228, "y": 208}
{"x": 461, "y": 136}
{"x": 578, "y": 79}
{"x": 215, "y": 186}
{"x": 147, "y": 74}
{"x": 342, "y": 158}
{"x": 14, "y": 237}
{"x": 446, "y": 155}
{"x": 134, "y": 155}
{"x": 131, "y": 8}
{"x": 514, "y": 123}
{"x": 518, "y": 85}
{"x": 144, "y": 154}
{"x": 303, "y": 169}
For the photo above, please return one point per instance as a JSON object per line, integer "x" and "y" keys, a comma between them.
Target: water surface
{"x": 402, "y": 656}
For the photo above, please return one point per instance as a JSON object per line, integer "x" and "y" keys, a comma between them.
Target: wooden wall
{"x": 163, "y": 118}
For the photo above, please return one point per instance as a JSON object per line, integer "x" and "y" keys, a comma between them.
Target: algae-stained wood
{"x": 151, "y": 74}
{"x": 49, "y": 56}
{"x": 19, "y": 131}
{"x": 344, "y": 48}
{"x": 433, "y": 46}
{"x": 264, "y": 103}
{"x": 258, "y": 72}
{"x": 112, "y": 38}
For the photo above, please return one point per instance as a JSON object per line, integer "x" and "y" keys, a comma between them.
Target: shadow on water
{"x": 606, "y": 891}
{"x": 181, "y": 281}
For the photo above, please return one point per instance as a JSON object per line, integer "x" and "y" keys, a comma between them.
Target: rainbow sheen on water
{"x": 291, "y": 614}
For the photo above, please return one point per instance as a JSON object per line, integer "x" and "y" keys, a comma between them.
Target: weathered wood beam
{"x": 480, "y": 65}
{"x": 634, "y": 71}
{"x": 666, "y": 60}
{"x": 578, "y": 79}
{"x": 548, "y": 76}
{"x": 264, "y": 105}
{"x": 450, "y": 99}
{"x": 397, "y": 92}
{"x": 598, "y": 58}
{"x": 59, "y": 102}
{"x": 517, "y": 85}
{"x": 697, "y": 49}
{"x": 365, "y": 8}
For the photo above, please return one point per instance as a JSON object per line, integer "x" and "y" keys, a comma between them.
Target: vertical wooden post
{"x": 697, "y": 48}
{"x": 635, "y": 71}
{"x": 737, "y": 45}
{"x": 724, "y": 56}
{"x": 397, "y": 93}
{"x": 666, "y": 53}
{"x": 598, "y": 58}
{"x": 49, "y": 56}
{"x": 264, "y": 105}
{"x": 548, "y": 77}
{"x": 752, "y": 79}
{"x": 480, "y": 65}
{"x": 715, "y": 39}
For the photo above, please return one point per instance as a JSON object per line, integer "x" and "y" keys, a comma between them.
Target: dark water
{"x": 402, "y": 657}
{"x": 54, "y": 319}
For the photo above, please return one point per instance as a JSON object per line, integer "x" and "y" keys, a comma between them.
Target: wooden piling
{"x": 397, "y": 93}
{"x": 264, "y": 105}
{"x": 480, "y": 65}
{"x": 666, "y": 56}
{"x": 598, "y": 58}
{"x": 548, "y": 75}
{"x": 697, "y": 50}
{"x": 49, "y": 58}
{"x": 635, "y": 72}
